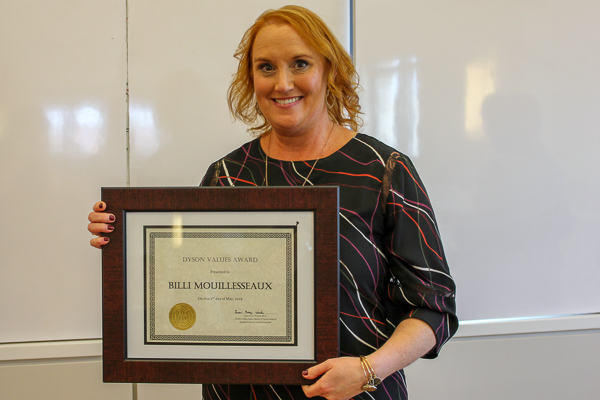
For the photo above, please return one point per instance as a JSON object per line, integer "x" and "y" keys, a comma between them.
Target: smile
{"x": 287, "y": 101}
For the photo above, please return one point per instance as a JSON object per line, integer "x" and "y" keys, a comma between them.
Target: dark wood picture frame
{"x": 322, "y": 201}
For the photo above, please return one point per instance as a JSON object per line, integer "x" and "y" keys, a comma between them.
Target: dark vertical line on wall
{"x": 353, "y": 30}
{"x": 134, "y": 391}
{"x": 127, "y": 142}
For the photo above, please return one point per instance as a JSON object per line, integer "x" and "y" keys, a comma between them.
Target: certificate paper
{"x": 210, "y": 287}
{"x": 221, "y": 285}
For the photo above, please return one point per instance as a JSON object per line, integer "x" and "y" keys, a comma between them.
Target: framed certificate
{"x": 220, "y": 285}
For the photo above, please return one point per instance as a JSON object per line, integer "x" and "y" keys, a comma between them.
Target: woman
{"x": 296, "y": 87}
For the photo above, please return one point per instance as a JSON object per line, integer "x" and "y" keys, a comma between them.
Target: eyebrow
{"x": 261, "y": 59}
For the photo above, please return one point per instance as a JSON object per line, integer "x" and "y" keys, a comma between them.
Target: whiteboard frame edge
{"x": 528, "y": 325}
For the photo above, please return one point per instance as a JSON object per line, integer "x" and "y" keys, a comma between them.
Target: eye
{"x": 301, "y": 64}
{"x": 266, "y": 68}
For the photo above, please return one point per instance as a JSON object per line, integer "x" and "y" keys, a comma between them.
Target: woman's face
{"x": 289, "y": 81}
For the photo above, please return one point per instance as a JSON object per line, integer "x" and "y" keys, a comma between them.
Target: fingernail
{"x": 106, "y": 240}
{"x": 305, "y": 372}
{"x": 110, "y": 228}
{"x": 101, "y": 206}
{"x": 111, "y": 218}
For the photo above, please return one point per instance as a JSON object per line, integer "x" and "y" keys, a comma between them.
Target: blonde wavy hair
{"x": 342, "y": 79}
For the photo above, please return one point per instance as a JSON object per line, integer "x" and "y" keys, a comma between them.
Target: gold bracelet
{"x": 374, "y": 376}
{"x": 366, "y": 386}
{"x": 372, "y": 379}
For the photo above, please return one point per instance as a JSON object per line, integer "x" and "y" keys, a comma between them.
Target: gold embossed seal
{"x": 182, "y": 316}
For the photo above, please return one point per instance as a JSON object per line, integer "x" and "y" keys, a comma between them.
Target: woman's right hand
{"x": 100, "y": 222}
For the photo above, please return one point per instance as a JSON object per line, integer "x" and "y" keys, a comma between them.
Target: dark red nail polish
{"x": 305, "y": 372}
{"x": 111, "y": 218}
{"x": 106, "y": 240}
{"x": 110, "y": 228}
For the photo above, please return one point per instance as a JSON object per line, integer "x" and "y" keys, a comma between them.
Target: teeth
{"x": 287, "y": 101}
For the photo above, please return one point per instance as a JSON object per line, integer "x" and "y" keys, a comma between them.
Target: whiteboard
{"x": 180, "y": 67}
{"x": 498, "y": 105}
{"x": 64, "y": 71}
{"x": 62, "y": 137}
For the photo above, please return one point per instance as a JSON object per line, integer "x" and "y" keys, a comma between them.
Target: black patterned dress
{"x": 392, "y": 264}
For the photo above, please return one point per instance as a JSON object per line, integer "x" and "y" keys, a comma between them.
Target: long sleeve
{"x": 420, "y": 282}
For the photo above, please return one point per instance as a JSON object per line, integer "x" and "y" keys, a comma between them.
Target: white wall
{"x": 553, "y": 366}
{"x": 64, "y": 71}
{"x": 558, "y": 365}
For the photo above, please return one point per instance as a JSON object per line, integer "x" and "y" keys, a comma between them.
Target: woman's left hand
{"x": 340, "y": 379}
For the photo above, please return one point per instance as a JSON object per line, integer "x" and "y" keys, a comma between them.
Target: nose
{"x": 285, "y": 81}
